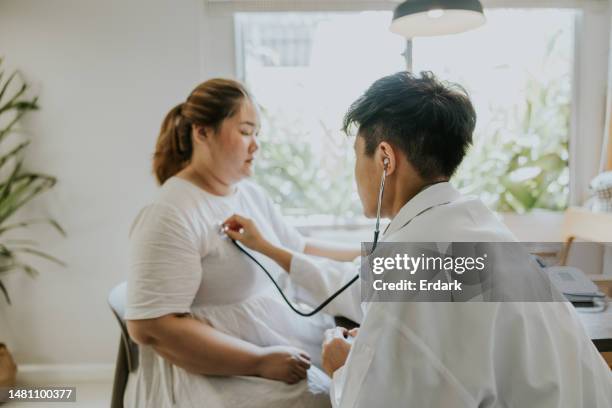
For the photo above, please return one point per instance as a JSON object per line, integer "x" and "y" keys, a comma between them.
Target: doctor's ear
{"x": 387, "y": 157}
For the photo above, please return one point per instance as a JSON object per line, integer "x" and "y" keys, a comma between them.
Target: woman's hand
{"x": 245, "y": 231}
{"x": 281, "y": 363}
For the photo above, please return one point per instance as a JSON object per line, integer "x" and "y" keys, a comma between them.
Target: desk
{"x": 599, "y": 328}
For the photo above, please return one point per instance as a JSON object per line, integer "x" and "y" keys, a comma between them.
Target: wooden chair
{"x": 580, "y": 223}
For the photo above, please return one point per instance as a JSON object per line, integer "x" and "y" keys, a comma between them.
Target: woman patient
{"x": 213, "y": 331}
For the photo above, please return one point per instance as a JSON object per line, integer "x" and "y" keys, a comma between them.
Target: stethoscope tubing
{"x": 355, "y": 278}
{"x": 295, "y": 309}
{"x": 346, "y": 285}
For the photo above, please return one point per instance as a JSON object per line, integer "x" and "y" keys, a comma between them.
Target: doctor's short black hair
{"x": 430, "y": 121}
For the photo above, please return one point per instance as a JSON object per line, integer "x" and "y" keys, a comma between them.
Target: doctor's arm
{"x": 391, "y": 365}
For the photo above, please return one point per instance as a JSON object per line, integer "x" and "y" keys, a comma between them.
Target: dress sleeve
{"x": 165, "y": 264}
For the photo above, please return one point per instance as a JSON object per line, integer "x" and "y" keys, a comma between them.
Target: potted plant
{"x": 17, "y": 187}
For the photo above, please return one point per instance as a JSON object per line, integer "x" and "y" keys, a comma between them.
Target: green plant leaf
{"x": 32, "y": 272}
{"x": 23, "y": 188}
{"x": 25, "y": 224}
{"x": 6, "y": 186}
{"x": 9, "y": 105}
{"x": 5, "y": 292}
{"x": 18, "y": 187}
{"x": 28, "y": 242}
{"x": 39, "y": 254}
{"x": 9, "y": 128}
{"x": 7, "y": 83}
{"x": 4, "y": 159}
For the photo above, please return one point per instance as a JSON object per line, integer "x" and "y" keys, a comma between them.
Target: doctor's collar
{"x": 430, "y": 196}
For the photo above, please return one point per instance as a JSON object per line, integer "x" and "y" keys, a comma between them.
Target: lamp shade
{"x": 424, "y": 18}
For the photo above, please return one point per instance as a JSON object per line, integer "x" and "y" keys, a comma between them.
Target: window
{"x": 519, "y": 77}
{"x": 306, "y": 68}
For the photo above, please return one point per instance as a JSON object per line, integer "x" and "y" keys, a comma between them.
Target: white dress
{"x": 180, "y": 263}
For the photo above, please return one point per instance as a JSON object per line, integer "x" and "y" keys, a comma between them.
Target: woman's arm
{"x": 244, "y": 230}
{"x": 343, "y": 253}
{"x": 319, "y": 277}
{"x": 199, "y": 348}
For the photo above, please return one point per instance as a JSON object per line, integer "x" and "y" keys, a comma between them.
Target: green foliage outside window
{"x": 301, "y": 181}
{"x": 519, "y": 161}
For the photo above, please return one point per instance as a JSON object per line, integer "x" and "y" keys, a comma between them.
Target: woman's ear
{"x": 200, "y": 132}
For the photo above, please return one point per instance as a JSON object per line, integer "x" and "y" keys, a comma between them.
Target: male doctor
{"x": 416, "y": 130}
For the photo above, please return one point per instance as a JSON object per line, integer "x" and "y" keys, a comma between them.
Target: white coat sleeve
{"x": 318, "y": 278}
{"x": 392, "y": 368}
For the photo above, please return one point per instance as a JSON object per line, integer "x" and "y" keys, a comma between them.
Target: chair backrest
{"x": 580, "y": 223}
{"x": 116, "y": 301}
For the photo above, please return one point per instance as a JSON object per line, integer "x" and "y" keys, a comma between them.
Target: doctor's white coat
{"x": 456, "y": 354}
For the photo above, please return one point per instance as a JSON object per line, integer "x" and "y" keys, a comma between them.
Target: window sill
{"x": 536, "y": 226}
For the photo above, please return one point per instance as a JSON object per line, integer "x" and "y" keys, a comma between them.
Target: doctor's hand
{"x": 281, "y": 363}
{"x": 245, "y": 231}
{"x": 336, "y": 349}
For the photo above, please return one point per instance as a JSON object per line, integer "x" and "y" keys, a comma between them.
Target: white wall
{"x": 106, "y": 72}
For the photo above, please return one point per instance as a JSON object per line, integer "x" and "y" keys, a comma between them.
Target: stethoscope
{"x": 349, "y": 283}
{"x": 356, "y": 277}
